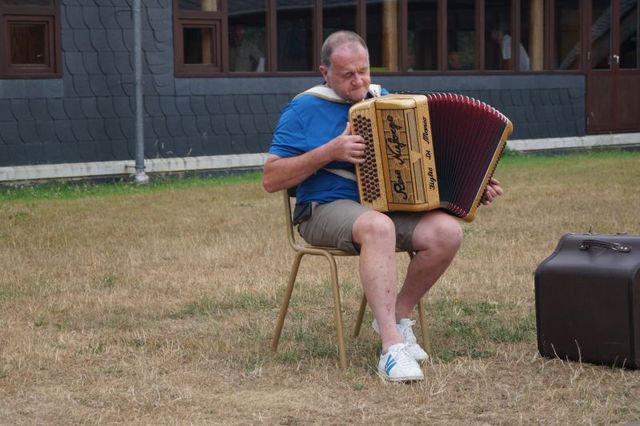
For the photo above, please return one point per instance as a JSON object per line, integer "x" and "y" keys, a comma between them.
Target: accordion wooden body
{"x": 425, "y": 152}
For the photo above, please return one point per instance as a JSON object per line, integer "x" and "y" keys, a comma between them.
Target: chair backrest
{"x": 287, "y": 194}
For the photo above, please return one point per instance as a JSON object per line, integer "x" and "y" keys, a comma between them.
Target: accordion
{"x": 425, "y": 152}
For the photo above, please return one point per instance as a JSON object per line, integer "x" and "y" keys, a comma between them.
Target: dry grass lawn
{"x": 157, "y": 307}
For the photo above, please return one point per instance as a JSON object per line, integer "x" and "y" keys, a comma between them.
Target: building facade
{"x": 216, "y": 73}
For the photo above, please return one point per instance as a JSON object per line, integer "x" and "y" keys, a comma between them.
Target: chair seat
{"x": 334, "y": 251}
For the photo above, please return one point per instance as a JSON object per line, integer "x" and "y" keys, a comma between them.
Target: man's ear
{"x": 324, "y": 70}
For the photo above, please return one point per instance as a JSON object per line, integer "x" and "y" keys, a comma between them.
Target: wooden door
{"x": 613, "y": 75}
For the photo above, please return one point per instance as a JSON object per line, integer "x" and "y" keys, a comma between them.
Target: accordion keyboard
{"x": 369, "y": 169}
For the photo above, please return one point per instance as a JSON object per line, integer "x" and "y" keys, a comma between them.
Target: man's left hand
{"x": 492, "y": 190}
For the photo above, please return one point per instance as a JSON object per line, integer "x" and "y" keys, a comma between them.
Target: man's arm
{"x": 282, "y": 173}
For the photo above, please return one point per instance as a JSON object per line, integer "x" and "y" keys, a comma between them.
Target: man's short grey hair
{"x": 336, "y": 40}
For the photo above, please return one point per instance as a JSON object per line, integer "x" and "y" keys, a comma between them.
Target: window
{"x": 338, "y": 15}
{"x": 566, "y": 35}
{"x": 29, "y": 38}
{"x": 602, "y": 37}
{"x": 498, "y": 35}
{"x": 198, "y": 36}
{"x": 247, "y": 37}
{"x": 461, "y": 32}
{"x": 241, "y": 37}
{"x": 295, "y": 35}
{"x": 382, "y": 34}
{"x": 422, "y": 37}
{"x": 629, "y": 32}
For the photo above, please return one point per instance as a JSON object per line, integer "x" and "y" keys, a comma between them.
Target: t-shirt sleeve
{"x": 288, "y": 138}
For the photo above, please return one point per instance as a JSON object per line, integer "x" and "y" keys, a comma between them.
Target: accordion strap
{"x": 327, "y": 93}
{"x": 342, "y": 173}
{"x": 375, "y": 90}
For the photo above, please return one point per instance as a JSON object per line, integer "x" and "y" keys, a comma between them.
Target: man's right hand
{"x": 348, "y": 147}
{"x": 280, "y": 173}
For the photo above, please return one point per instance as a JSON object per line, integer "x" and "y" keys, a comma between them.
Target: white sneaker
{"x": 398, "y": 366}
{"x": 405, "y": 328}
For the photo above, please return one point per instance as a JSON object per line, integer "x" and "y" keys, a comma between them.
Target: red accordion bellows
{"x": 469, "y": 137}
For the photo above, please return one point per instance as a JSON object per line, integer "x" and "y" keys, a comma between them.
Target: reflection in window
{"x": 204, "y": 5}
{"x": 295, "y": 36}
{"x": 28, "y": 45}
{"x": 422, "y": 35}
{"x": 629, "y": 33}
{"x": 247, "y": 38}
{"x": 200, "y": 45}
{"x": 498, "y": 35}
{"x": 566, "y": 36}
{"x": 338, "y": 15}
{"x": 601, "y": 34}
{"x": 382, "y": 34}
{"x": 461, "y": 33}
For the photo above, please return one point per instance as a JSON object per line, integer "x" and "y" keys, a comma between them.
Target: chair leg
{"x": 426, "y": 342}
{"x": 363, "y": 307}
{"x": 285, "y": 302}
{"x": 337, "y": 310}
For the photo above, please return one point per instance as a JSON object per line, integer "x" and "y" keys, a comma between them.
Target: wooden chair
{"x": 330, "y": 253}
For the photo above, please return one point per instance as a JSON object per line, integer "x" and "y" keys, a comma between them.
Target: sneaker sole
{"x": 400, "y": 379}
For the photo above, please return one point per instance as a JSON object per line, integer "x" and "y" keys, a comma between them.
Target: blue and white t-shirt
{"x": 306, "y": 123}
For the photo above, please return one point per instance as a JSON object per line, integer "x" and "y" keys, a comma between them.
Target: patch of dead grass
{"x": 159, "y": 307}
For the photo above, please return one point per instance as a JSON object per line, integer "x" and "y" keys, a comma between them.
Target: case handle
{"x": 586, "y": 245}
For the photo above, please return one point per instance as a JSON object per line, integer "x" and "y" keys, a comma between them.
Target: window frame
{"x": 217, "y": 21}
{"x": 50, "y": 16}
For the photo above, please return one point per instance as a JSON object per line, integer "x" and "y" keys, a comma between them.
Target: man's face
{"x": 238, "y": 34}
{"x": 349, "y": 74}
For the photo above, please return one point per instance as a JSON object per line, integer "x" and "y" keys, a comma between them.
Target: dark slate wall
{"x": 88, "y": 114}
{"x": 540, "y": 106}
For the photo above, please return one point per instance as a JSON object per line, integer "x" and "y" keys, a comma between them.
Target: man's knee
{"x": 373, "y": 226}
{"x": 440, "y": 232}
{"x": 450, "y": 233}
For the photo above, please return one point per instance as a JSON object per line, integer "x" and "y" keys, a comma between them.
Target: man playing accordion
{"x": 312, "y": 147}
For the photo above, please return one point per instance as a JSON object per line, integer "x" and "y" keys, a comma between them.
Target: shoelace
{"x": 407, "y": 333}
{"x": 402, "y": 357}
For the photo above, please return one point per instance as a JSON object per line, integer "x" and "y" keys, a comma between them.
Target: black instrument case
{"x": 587, "y": 297}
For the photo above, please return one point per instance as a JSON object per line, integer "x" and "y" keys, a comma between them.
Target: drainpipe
{"x": 140, "y": 176}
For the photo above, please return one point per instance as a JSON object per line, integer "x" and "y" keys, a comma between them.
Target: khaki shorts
{"x": 331, "y": 224}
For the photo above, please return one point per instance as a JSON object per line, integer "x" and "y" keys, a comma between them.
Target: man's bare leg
{"x": 436, "y": 240}
{"x": 375, "y": 233}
